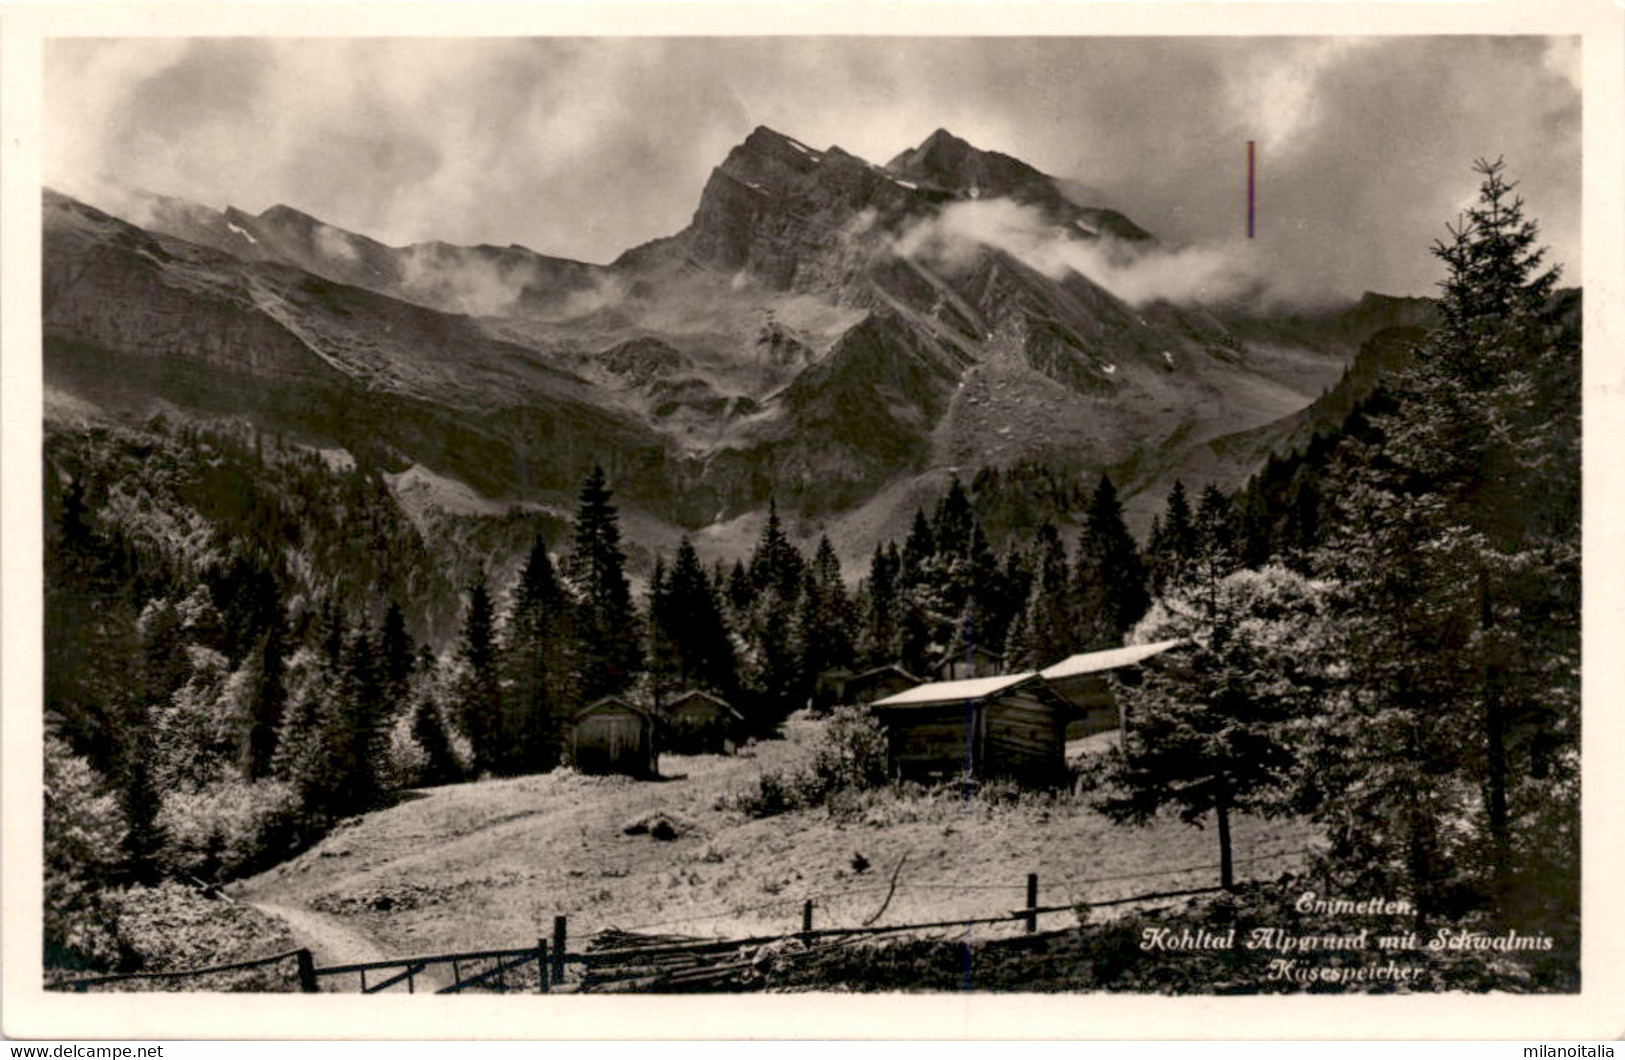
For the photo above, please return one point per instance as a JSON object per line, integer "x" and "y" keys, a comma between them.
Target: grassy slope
{"x": 491, "y": 863}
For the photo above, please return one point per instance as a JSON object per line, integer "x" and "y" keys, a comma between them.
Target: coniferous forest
{"x": 248, "y": 642}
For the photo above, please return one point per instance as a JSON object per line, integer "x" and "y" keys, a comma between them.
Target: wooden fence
{"x": 626, "y": 960}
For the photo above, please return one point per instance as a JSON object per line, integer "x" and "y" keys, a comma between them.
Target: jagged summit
{"x": 946, "y": 161}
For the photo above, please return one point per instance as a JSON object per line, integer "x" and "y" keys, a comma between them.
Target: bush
{"x": 84, "y": 831}
{"x": 230, "y": 828}
{"x": 173, "y": 928}
{"x": 850, "y": 756}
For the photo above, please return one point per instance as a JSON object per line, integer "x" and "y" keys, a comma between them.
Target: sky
{"x": 584, "y": 147}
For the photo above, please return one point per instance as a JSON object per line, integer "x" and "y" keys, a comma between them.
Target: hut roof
{"x": 700, "y": 693}
{"x": 610, "y": 701}
{"x": 954, "y": 691}
{"x": 1110, "y": 659}
{"x": 887, "y": 668}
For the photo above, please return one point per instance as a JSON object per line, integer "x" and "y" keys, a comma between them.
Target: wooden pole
{"x": 560, "y": 934}
{"x": 307, "y": 972}
{"x": 543, "y": 971}
{"x": 1032, "y": 902}
{"x": 806, "y": 915}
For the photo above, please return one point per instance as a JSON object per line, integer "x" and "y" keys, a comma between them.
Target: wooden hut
{"x": 830, "y": 688}
{"x": 875, "y": 684}
{"x": 697, "y": 722}
{"x": 1083, "y": 681}
{"x": 613, "y": 735}
{"x": 975, "y": 661}
{"x": 1012, "y": 726}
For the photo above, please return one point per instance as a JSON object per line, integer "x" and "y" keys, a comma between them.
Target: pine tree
{"x": 268, "y": 698}
{"x": 538, "y": 662}
{"x": 878, "y": 645}
{"x": 833, "y": 615}
{"x": 918, "y": 549}
{"x": 1051, "y": 621}
{"x": 660, "y": 656}
{"x": 477, "y": 692}
{"x": 1215, "y": 555}
{"x": 428, "y": 726}
{"x": 1213, "y": 730}
{"x": 776, "y": 564}
{"x": 1110, "y": 576}
{"x": 1456, "y": 542}
{"x": 695, "y": 625}
{"x": 952, "y": 525}
{"x": 607, "y": 628}
{"x": 1174, "y": 546}
{"x": 398, "y": 656}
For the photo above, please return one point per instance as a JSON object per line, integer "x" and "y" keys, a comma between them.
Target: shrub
{"x": 84, "y": 831}
{"x": 849, "y": 756}
{"x": 172, "y": 928}
{"x": 230, "y": 828}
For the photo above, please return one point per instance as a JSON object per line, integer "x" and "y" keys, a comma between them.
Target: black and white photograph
{"x": 847, "y": 513}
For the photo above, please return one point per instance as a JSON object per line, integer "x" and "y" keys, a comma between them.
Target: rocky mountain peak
{"x": 945, "y": 161}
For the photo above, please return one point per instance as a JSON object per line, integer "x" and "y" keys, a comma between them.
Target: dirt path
{"x": 333, "y": 943}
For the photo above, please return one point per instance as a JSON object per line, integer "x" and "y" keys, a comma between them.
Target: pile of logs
{"x": 624, "y": 962}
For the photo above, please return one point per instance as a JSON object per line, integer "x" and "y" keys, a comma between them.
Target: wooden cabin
{"x": 1012, "y": 726}
{"x": 697, "y": 723}
{"x": 975, "y": 661}
{"x": 614, "y": 735}
{"x": 830, "y": 688}
{"x": 1084, "y": 681}
{"x": 878, "y": 683}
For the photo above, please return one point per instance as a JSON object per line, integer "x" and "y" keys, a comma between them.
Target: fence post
{"x": 307, "y": 972}
{"x": 560, "y": 933}
{"x": 806, "y": 915}
{"x": 542, "y": 968}
{"x": 1032, "y": 902}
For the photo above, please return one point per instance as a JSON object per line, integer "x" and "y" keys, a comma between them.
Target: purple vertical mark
{"x": 1249, "y": 189}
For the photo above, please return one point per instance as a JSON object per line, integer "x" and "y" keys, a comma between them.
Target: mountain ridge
{"x": 789, "y": 341}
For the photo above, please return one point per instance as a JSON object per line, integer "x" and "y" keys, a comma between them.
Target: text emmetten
{"x": 1310, "y": 902}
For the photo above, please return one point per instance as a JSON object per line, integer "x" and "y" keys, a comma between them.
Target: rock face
{"x": 819, "y": 331}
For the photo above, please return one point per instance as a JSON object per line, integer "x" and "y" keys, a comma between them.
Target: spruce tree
{"x": 776, "y": 565}
{"x": 1051, "y": 620}
{"x": 1213, "y": 729}
{"x": 1456, "y": 542}
{"x": 268, "y": 697}
{"x": 878, "y": 645}
{"x": 607, "y": 629}
{"x": 696, "y": 626}
{"x": 477, "y": 692}
{"x": 1176, "y": 543}
{"x": 397, "y": 655}
{"x": 1110, "y": 576}
{"x": 538, "y": 662}
{"x": 660, "y": 655}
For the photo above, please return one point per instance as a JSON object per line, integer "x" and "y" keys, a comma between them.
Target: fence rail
{"x": 82, "y": 985}
{"x": 623, "y": 959}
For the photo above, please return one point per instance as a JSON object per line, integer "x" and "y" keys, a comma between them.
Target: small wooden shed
{"x": 614, "y": 735}
{"x": 1012, "y": 726}
{"x": 1083, "y": 681}
{"x": 830, "y": 688}
{"x": 875, "y": 684}
{"x": 975, "y": 661}
{"x": 698, "y": 722}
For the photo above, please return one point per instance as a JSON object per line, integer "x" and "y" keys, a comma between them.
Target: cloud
{"x": 482, "y": 282}
{"x": 954, "y": 237}
{"x": 334, "y": 243}
{"x": 464, "y": 283}
{"x": 584, "y": 147}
